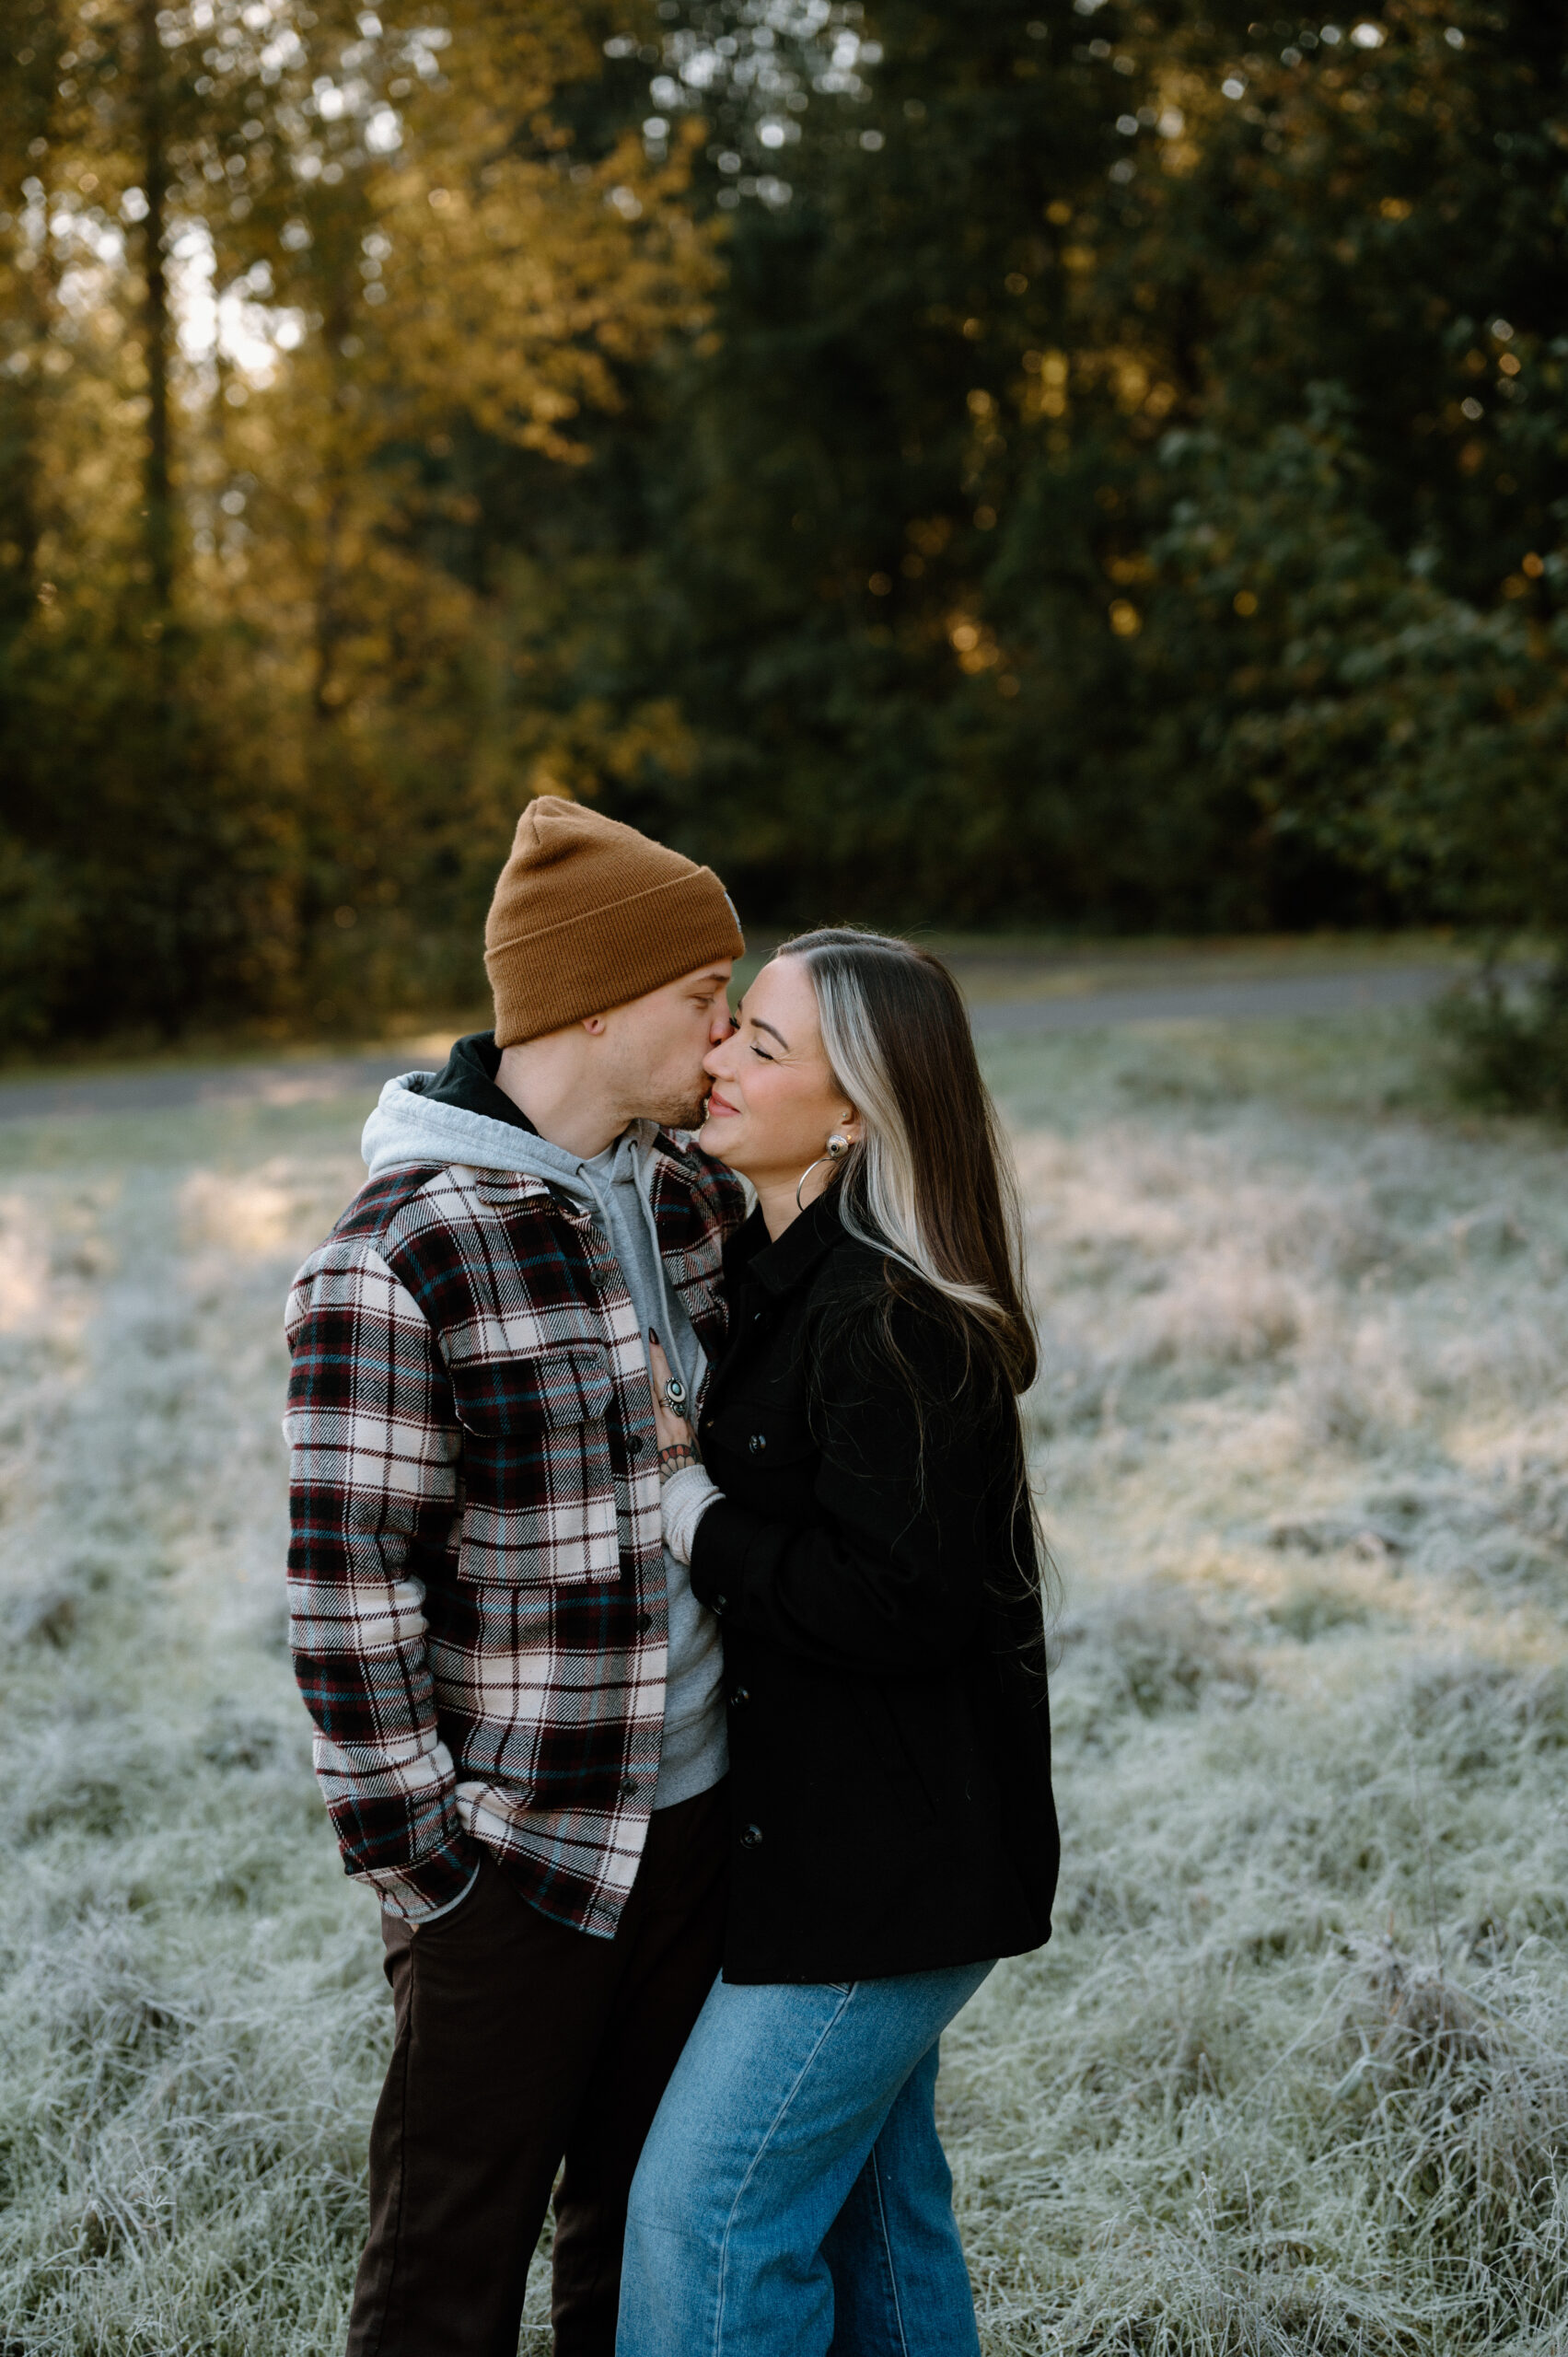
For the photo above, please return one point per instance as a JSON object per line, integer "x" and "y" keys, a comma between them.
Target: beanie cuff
{"x": 554, "y": 975}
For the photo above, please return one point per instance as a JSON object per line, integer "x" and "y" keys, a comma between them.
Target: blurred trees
{"x": 1091, "y": 459}
{"x": 263, "y": 264}
{"x": 1129, "y": 483}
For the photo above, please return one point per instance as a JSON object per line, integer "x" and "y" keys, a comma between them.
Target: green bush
{"x": 1510, "y": 1042}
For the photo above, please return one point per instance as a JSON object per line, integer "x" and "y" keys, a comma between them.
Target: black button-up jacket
{"x": 872, "y": 1567}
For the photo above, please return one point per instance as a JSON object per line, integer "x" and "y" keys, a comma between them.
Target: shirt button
{"x": 758, "y": 1442}
{"x": 644, "y": 1623}
{"x": 633, "y": 1444}
{"x": 628, "y": 1786}
{"x": 741, "y": 1694}
{"x": 753, "y": 1838}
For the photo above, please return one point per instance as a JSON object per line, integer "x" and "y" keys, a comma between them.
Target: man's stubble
{"x": 685, "y": 1113}
{"x": 677, "y": 1100}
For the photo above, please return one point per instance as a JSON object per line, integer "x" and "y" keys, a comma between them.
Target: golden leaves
{"x": 1046, "y": 392}
{"x": 974, "y": 643}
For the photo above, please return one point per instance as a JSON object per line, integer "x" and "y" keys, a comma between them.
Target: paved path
{"x": 1237, "y": 1001}
{"x": 306, "y": 1081}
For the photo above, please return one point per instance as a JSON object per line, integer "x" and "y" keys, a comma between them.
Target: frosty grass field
{"x": 1293, "y": 2074}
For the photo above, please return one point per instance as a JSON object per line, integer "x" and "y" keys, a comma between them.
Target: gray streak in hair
{"x": 882, "y": 1161}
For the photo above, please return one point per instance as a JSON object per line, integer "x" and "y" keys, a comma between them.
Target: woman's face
{"x": 774, "y": 1101}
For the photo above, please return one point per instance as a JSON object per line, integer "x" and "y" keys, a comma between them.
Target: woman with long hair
{"x": 855, "y": 1508}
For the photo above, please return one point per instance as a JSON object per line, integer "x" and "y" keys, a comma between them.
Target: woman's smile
{"x": 774, "y": 1101}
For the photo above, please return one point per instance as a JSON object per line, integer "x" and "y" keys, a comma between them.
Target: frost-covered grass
{"x": 1294, "y": 2073}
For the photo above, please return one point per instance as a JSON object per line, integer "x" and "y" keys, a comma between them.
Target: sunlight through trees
{"x": 1098, "y": 462}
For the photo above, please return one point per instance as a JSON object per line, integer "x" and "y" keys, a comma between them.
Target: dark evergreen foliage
{"x": 1166, "y": 420}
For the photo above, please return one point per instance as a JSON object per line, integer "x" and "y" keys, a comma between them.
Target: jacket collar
{"x": 779, "y": 1267}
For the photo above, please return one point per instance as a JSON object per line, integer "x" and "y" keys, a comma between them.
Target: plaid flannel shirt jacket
{"x": 476, "y": 1566}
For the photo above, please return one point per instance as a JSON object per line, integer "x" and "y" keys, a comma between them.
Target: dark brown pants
{"x": 521, "y": 2043}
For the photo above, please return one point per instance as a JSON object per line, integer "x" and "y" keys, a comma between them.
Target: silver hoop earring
{"x": 838, "y": 1147}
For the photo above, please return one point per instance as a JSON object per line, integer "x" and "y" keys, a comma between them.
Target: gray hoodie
{"x": 613, "y": 1186}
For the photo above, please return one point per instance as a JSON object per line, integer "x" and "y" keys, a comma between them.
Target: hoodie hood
{"x": 408, "y": 1126}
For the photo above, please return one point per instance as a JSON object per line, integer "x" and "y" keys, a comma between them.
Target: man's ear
{"x": 594, "y": 1025}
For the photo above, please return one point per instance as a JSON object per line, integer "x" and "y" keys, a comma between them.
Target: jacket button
{"x": 644, "y": 1623}
{"x": 753, "y": 1838}
{"x": 758, "y": 1442}
{"x": 719, "y": 1603}
{"x": 741, "y": 1694}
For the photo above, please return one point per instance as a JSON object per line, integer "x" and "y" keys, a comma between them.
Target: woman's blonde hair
{"x": 929, "y": 1182}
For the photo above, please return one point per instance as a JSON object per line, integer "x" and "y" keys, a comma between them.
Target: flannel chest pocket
{"x": 539, "y": 1481}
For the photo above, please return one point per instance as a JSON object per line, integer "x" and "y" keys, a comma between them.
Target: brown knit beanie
{"x": 588, "y": 913}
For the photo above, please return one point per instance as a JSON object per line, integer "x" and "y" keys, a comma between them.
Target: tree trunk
{"x": 155, "y": 185}
{"x": 329, "y": 590}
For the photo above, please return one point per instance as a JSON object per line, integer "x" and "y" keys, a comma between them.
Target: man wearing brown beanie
{"x": 517, "y": 1702}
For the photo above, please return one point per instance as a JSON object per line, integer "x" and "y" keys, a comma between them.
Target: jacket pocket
{"x": 538, "y": 1480}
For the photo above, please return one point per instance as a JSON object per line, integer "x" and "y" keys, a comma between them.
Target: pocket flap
{"x": 570, "y": 1386}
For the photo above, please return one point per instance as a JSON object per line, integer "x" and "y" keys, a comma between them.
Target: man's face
{"x": 656, "y": 1044}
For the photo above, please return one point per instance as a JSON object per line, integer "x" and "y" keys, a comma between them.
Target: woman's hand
{"x": 685, "y": 1490}
{"x": 677, "y": 1442}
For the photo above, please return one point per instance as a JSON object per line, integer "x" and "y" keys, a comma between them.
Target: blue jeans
{"x": 793, "y": 2197}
